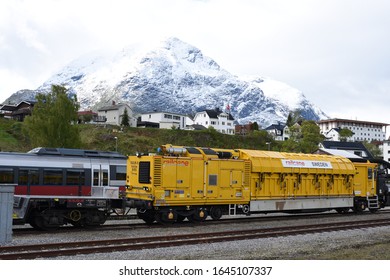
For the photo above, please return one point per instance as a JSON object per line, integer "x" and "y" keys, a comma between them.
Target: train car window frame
{"x": 369, "y": 173}
{"x": 33, "y": 176}
{"x": 7, "y": 176}
{"x": 53, "y": 176}
{"x": 213, "y": 180}
{"x": 72, "y": 180}
{"x": 118, "y": 172}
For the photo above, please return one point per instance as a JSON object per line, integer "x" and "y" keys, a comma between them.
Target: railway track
{"x": 140, "y": 224}
{"x": 113, "y": 245}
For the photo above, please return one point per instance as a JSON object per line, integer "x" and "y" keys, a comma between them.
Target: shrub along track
{"x": 113, "y": 245}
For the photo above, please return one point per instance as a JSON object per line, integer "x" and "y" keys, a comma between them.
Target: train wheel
{"x": 199, "y": 216}
{"x": 342, "y": 210}
{"x": 41, "y": 222}
{"x": 216, "y": 212}
{"x": 359, "y": 207}
{"x": 148, "y": 216}
{"x": 166, "y": 217}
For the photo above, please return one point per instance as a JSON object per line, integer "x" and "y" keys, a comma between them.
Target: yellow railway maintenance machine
{"x": 190, "y": 182}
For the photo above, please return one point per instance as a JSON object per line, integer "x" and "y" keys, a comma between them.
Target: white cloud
{"x": 336, "y": 52}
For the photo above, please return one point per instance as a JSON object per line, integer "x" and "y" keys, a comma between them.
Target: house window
{"x": 176, "y": 118}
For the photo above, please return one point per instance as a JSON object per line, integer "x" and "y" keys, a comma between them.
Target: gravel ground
{"x": 364, "y": 244}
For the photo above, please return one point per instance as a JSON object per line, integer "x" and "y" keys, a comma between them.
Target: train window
{"x": 144, "y": 172}
{"x": 52, "y": 177}
{"x": 96, "y": 177}
{"x": 119, "y": 172}
{"x": 209, "y": 151}
{"x": 213, "y": 180}
{"x": 75, "y": 177}
{"x": 6, "y": 175}
{"x": 28, "y": 177}
{"x": 369, "y": 173}
{"x": 193, "y": 150}
{"x": 105, "y": 177}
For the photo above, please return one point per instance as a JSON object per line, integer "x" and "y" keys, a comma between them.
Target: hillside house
{"x": 279, "y": 131}
{"x": 362, "y": 130}
{"x": 113, "y": 114}
{"x": 17, "y": 112}
{"x": 163, "y": 120}
{"x": 221, "y": 121}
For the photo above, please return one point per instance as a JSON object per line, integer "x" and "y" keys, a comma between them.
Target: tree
{"x": 373, "y": 149}
{"x": 52, "y": 123}
{"x": 345, "y": 133}
{"x": 311, "y": 137}
{"x": 125, "y": 118}
{"x": 303, "y": 139}
{"x": 255, "y": 126}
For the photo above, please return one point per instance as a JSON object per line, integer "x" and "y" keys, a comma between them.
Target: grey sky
{"x": 336, "y": 51}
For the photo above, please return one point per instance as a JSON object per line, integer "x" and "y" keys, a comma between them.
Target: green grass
{"x": 131, "y": 140}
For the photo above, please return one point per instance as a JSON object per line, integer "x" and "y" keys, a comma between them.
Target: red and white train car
{"x": 57, "y": 186}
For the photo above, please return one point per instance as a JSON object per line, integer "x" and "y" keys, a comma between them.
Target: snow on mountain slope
{"x": 174, "y": 76}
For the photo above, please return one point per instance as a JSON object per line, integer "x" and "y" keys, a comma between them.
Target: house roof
{"x": 276, "y": 126}
{"x": 347, "y": 146}
{"x": 13, "y": 107}
{"x": 112, "y": 107}
{"x": 164, "y": 112}
{"x": 213, "y": 114}
{"x": 351, "y": 121}
{"x": 337, "y": 152}
{"x": 197, "y": 127}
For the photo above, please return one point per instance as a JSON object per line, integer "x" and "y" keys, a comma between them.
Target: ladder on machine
{"x": 232, "y": 210}
{"x": 373, "y": 202}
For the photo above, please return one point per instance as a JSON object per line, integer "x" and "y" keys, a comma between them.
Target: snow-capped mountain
{"x": 174, "y": 76}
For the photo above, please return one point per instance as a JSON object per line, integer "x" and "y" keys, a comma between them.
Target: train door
{"x": 100, "y": 175}
{"x": 212, "y": 181}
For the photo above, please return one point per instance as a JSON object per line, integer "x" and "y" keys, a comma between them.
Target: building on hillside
{"x": 386, "y": 150}
{"x": 17, "y": 112}
{"x": 163, "y": 120}
{"x": 113, "y": 114}
{"x": 221, "y": 121}
{"x": 87, "y": 116}
{"x": 362, "y": 130}
{"x": 243, "y": 129}
{"x": 279, "y": 131}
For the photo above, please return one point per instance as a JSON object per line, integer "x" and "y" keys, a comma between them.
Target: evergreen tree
{"x": 53, "y": 119}
{"x": 125, "y": 118}
{"x": 255, "y": 126}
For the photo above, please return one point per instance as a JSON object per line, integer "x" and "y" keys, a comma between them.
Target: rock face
{"x": 176, "y": 77}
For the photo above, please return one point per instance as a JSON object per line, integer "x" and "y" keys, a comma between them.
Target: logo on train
{"x": 179, "y": 162}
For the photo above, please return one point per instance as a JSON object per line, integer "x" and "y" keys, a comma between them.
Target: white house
{"x": 166, "y": 119}
{"x": 221, "y": 121}
{"x": 362, "y": 130}
{"x": 386, "y": 150}
{"x": 113, "y": 114}
{"x": 279, "y": 132}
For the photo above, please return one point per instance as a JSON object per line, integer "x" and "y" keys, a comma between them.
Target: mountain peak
{"x": 175, "y": 76}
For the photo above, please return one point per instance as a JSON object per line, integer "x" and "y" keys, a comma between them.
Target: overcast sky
{"x": 337, "y": 52}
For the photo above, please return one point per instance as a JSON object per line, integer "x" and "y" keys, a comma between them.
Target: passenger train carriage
{"x": 191, "y": 182}
{"x": 54, "y": 187}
